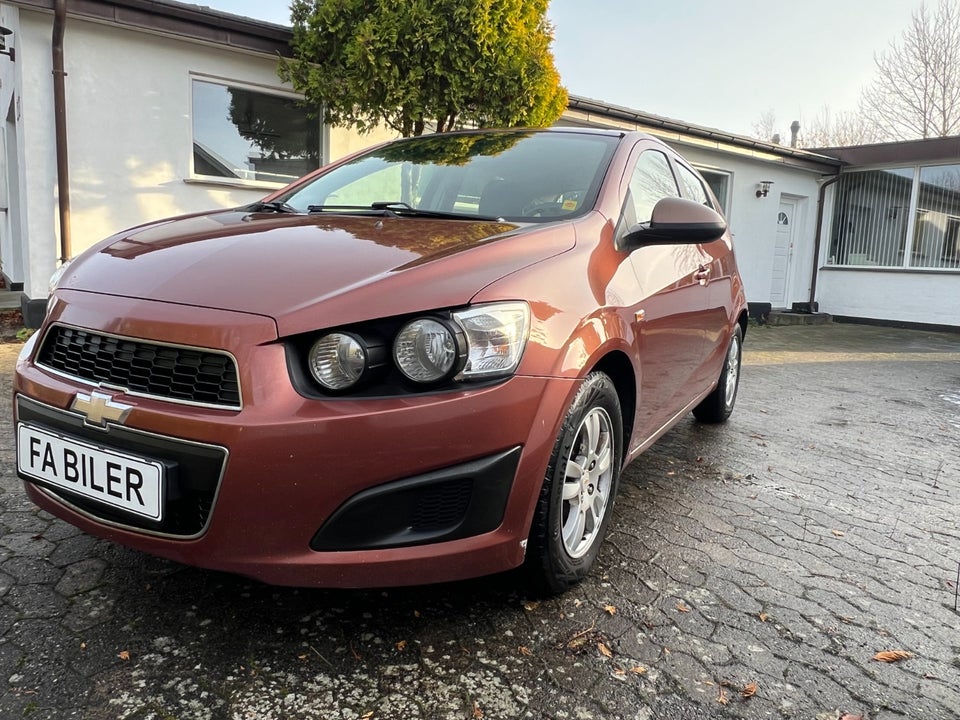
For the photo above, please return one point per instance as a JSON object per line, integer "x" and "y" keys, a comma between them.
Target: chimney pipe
{"x": 794, "y": 131}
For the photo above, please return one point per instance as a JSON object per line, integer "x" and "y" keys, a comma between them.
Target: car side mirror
{"x": 676, "y": 221}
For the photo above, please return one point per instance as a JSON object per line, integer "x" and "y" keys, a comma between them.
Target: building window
{"x": 719, "y": 183}
{"x": 937, "y": 218}
{"x": 250, "y": 136}
{"x": 898, "y": 218}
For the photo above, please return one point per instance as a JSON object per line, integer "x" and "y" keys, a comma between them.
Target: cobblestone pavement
{"x": 778, "y": 553}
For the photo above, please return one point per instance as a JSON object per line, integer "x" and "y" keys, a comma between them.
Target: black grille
{"x": 175, "y": 373}
{"x": 444, "y": 507}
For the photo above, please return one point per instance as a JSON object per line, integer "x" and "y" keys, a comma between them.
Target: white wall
{"x": 753, "y": 220}
{"x": 129, "y": 131}
{"x": 920, "y": 297}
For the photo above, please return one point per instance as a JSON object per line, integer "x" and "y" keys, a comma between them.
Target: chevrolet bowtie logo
{"x": 100, "y": 408}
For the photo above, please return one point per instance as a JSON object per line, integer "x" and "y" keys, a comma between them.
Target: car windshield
{"x": 515, "y": 175}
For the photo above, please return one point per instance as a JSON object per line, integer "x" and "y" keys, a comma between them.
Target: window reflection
{"x": 248, "y": 135}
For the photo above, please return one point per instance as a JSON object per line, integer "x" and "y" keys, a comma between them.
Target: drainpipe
{"x": 60, "y": 119}
{"x": 816, "y": 240}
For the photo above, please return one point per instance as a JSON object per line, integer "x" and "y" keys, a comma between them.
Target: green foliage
{"x": 407, "y": 63}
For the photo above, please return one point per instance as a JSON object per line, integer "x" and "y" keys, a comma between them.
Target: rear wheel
{"x": 717, "y": 406}
{"x": 576, "y": 500}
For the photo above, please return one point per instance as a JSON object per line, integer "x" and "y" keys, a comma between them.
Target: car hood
{"x": 312, "y": 271}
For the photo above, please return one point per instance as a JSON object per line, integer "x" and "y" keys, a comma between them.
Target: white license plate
{"x": 98, "y": 473}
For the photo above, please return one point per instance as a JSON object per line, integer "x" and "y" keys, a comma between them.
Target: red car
{"x": 426, "y": 362}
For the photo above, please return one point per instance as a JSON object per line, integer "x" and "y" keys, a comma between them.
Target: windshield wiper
{"x": 352, "y": 210}
{"x": 405, "y": 210}
{"x": 277, "y": 206}
{"x": 395, "y": 208}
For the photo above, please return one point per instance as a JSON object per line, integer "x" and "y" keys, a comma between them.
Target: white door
{"x": 783, "y": 253}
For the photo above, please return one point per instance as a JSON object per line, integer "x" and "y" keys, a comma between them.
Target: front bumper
{"x": 316, "y": 492}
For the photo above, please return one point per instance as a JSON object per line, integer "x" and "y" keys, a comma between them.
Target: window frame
{"x": 194, "y": 177}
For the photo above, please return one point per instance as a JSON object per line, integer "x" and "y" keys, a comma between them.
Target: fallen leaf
{"x": 638, "y": 669}
{"x": 838, "y": 533}
{"x": 722, "y": 697}
{"x": 524, "y": 650}
{"x": 604, "y": 650}
{"x": 416, "y": 613}
{"x": 531, "y": 605}
{"x": 619, "y": 671}
{"x": 750, "y": 690}
{"x": 848, "y": 716}
{"x": 83, "y": 646}
{"x": 477, "y": 712}
{"x": 763, "y": 617}
{"x": 302, "y": 657}
{"x": 576, "y": 642}
{"x": 892, "y": 656}
{"x": 367, "y": 716}
{"x": 610, "y": 609}
{"x": 402, "y": 645}
{"x": 682, "y": 607}
{"x": 124, "y": 655}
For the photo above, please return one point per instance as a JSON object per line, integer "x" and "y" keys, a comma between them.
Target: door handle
{"x": 702, "y": 275}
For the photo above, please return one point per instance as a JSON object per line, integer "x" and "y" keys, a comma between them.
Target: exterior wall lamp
{"x": 763, "y": 188}
{"x": 4, "y": 31}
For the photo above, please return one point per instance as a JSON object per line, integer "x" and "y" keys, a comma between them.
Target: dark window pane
{"x": 249, "y": 135}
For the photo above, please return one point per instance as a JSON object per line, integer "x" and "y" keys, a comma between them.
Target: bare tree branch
{"x": 916, "y": 91}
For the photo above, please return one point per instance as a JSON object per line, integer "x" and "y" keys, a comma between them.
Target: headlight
{"x": 337, "y": 360}
{"x": 496, "y": 337}
{"x": 428, "y": 350}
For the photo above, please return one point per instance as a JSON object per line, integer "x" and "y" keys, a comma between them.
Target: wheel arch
{"x": 616, "y": 365}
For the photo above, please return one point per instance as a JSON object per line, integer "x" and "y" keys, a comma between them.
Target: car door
{"x": 716, "y": 276}
{"x": 669, "y": 324}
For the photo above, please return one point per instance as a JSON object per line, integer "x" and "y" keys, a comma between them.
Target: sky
{"x": 718, "y": 64}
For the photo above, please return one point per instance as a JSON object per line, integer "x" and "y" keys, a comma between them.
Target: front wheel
{"x": 576, "y": 500}
{"x": 717, "y": 406}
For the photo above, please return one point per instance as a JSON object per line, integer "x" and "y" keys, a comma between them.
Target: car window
{"x": 652, "y": 181}
{"x": 692, "y": 186}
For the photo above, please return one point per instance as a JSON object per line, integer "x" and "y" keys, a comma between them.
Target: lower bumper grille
{"x": 193, "y": 476}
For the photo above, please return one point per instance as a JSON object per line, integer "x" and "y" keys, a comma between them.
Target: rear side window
{"x": 651, "y": 182}
{"x": 692, "y": 186}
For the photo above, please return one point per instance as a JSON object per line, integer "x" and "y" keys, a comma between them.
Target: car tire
{"x": 576, "y": 499}
{"x": 717, "y": 406}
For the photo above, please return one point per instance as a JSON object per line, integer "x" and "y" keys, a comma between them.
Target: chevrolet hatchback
{"x": 426, "y": 362}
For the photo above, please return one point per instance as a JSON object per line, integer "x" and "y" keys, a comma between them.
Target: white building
{"x": 172, "y": 108}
